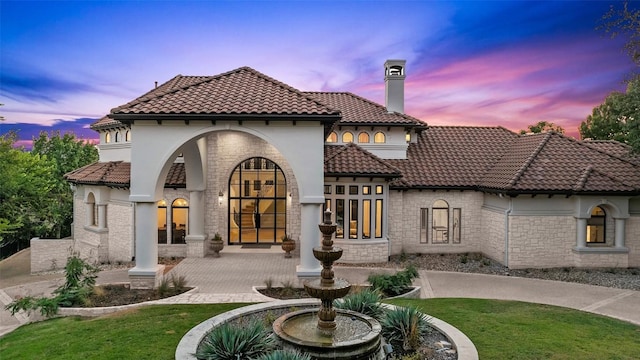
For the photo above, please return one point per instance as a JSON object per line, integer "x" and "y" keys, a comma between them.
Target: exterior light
{"x": 220, "y": 198}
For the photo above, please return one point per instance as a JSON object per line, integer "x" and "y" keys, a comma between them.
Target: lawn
{"x": 500, "y": 330}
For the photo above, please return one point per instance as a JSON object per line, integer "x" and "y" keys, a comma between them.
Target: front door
{"x": 257, "y": 202}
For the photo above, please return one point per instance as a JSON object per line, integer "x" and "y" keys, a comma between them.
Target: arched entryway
{"x": 257, "y": 202}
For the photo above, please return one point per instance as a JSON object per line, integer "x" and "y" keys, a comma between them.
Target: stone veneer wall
{"x": 363, "y": 251}
{"x": 225, "y": 151}
{"x": 541, "y": 241}
{"x": 49, "y": 254}
{"x": 632, "y": 242}
{"x": 404, "y": 221}
{"x": 493, "y": 227}
{"x": 120, "y": 225}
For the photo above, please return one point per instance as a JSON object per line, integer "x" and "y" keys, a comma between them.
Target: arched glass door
{"x": 257, "y": 202}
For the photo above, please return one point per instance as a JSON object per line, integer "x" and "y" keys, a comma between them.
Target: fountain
{"x": 327, "y": 333}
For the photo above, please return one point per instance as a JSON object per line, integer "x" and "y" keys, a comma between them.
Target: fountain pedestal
{"x": 326, "y": 333}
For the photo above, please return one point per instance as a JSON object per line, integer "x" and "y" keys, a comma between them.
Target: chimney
{"x": 394, "y": 85}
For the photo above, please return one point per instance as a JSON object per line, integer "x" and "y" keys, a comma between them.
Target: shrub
{"x": 80, "y": 279}
{"x": 284, "y": 355}
{"x": 365, "y": 302}
{"x": 179, "y": 282}
{"x": 228, "y": 342}
{"x": 404, "y": 327}
{"x": 395, "y": 284}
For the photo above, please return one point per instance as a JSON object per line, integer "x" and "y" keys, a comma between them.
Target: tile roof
{"x": 357, "y": 110}
{"x": 118, "y": 174}
{"x": 615, "y": 148}
{"x": 352, "y": 160}
{"x": 106, "y": 122}
{"x": 552, "y": 163}
{"x": 239, "y": 92}
{"x": 452, "y": 157}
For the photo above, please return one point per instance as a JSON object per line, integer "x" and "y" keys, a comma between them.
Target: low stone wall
{"x": 172, "y": 250}
{"x": 49, "y": 254}
{"x": 363, "y": 251}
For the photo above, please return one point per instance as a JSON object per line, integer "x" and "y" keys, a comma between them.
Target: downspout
{"x": 507, "y": 213}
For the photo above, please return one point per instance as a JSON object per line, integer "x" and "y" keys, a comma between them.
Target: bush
{"x": 284, "y": 355}
{"x": 228, "y": 342}
{"x": 365, "y": 302}
{"x": 395, "y": 284}
{"x": 404, "y": 327}
{"x": 80, "y": 279}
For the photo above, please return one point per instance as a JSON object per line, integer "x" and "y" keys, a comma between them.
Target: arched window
{"x": 162, "y": 222}
{"x": 596, "y": 226}
{"x": 333, "y": 137}
{"x": 117, "y": 136}
{"x": 127, "y": 136}
{"x": 107, "y": 137}
{"x": 440, "y": 225}
{"x": 379, "y": 138}
{"x": 179, "y": 221}
{"x": 363, "y": 137}
{"x": 257, "y": 202}
{"x": 347, "y": 137}
{"x": 92, "y": 210}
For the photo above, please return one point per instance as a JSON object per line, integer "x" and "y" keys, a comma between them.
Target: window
{"x": 379, "y": 189}
{"x": 347, "y": 137}
{"x": 340, "y": 218}
{"x": 440, "y": 226}
{"x": 366, "y": 219}
{"x": 407, "y": 137}
{"x": 456, "y": 225}
{"x": 179, "y": 221}
{"x": 366, "y": 190}
{"x": 127, "y": 136}
{"x": 107, "y": 137}
{"x": 363, "y": 137}
{"x": 327, "y": 189}
{"x": 117, "y": 137}
{"x": 92, "y": 210}
{"x": 333, "y": 137}
{"x": 424, "y": 221}
{"x": 353, "y": 190}
{"x": 596, "y": 226}
{"x": 340, "y": 189}
{"x": 379, "y": 138}
{"x": 162, "y": 222}
{"x": 353, "y": 219}
{"x": 378, "y": 224}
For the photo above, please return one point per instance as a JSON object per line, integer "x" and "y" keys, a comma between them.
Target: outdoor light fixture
{"x": 220, "y": 198}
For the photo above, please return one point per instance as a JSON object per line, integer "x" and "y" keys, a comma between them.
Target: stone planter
{"x": 216, "y": 246}
{"x": 288, "y": 246}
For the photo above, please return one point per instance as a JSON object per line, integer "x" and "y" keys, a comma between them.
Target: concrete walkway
{"x": 231, "y": 278}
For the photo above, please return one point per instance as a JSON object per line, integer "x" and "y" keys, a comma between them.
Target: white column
{"x": 620, "y": 224}
{"x": 309, "y": 238}
{"x": 102, "y": 216}
{"x": 581, "y": 231}
{"x": 147, "y": 272}
{"x": 196, "y": 213}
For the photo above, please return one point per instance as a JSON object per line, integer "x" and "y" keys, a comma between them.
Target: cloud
{"x": 38, "y": 87}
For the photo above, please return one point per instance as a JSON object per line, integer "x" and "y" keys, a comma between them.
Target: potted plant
{"x": 288, "y": 245}
{"x": 216, "y": 244}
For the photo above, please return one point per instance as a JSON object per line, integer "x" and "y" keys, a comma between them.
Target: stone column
{"x": 102, "y": 216}
{"x": 620, "y": 234}
{"x": 196, "y": 237}
{"x": 147, "y": 273}
{"x": 309, "y": 238}
{"x": 581, "y": 231}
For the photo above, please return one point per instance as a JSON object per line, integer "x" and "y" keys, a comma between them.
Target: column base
{"x": 308, "y": 273}
{"x": 145, "y": 278}
{"x": 196, "y": 245}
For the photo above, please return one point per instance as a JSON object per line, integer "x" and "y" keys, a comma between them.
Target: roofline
{"x": 368, "y": 175}
{"x": 130, "y": 118}
{"x": 514, "y": 193}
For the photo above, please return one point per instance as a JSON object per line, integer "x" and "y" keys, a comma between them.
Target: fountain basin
{"x": 338, "y": 289}
{"x": 327, "y": 255}
{"x": 357, "y": 336}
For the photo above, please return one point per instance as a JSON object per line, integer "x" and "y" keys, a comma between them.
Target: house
{"x": 251, "y": 158}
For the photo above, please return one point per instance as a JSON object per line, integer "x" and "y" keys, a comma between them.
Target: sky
{"x": 65, "y": 64}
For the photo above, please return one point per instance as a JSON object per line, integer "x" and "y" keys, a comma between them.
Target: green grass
{"x": 518, "y": 330}
{"x": 499, "y": 329}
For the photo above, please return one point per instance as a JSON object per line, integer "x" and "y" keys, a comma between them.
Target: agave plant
{"x": 405, "y": 327}
{"x": 365, "y": 302}
{"x": 228, "y": 342}
{"x": 284, "y": 355}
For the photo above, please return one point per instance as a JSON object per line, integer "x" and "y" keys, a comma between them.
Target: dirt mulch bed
{"x": 121, "y": 294}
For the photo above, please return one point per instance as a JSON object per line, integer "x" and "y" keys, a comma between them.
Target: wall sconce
{"x": 220, "y": 198}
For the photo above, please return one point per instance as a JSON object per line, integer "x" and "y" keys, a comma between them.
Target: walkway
{"x": 231, "y": 278}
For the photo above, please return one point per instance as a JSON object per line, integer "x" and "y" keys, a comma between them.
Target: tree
{"x": 25, "y": 182}
{"x": 542, "y": 126}
{"x": 66, "y": 153}
{"x": 624, "y": 22}
{"x": 618, "y": 118}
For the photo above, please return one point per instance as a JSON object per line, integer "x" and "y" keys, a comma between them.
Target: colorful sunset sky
{"x": 65, "y": 64}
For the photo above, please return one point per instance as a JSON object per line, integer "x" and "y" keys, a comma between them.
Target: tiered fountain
{"x": 327, "y": 333}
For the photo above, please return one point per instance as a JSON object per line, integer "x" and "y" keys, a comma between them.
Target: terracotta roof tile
{"x": 105, "y": 123}
{"x": 360, "y": 111}
{"x": 241, "y": 91}
{"x": 118, "y": 174}
{"x": 352, "y": 160}
{"x": 452, "y": 156}
{"x": 613, "y": 147}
